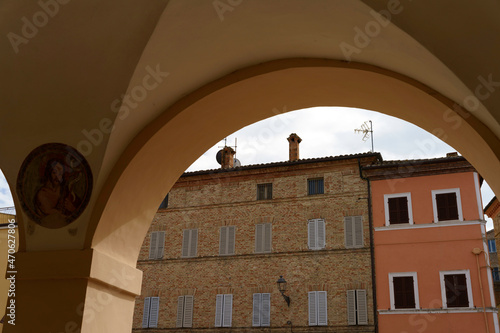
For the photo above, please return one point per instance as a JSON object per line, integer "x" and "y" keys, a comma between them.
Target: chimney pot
{"x": 294, "y": 141}
{"x": 227, "y": 157}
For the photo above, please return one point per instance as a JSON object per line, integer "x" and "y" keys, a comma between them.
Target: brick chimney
{"x": 227, "y": 158}
{"x": 294, "y": 141}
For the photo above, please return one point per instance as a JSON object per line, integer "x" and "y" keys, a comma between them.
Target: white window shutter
{"x": 153, "y": 311}
{"x": 160, "y": 244}
{"x": 267, "y": 237}
{"x": 193, "y": 246}
{"x": 188, "y": 311}
{"x": 185, "y": 243}
{"x": 227, "y": 316}
{"x": 349, "y": 234}
{"x": 351, "y": 307}
{"x": 259, "y": 238}
{"x": 218, "y": 310}
{"x": 180, "y": 311}
{"x": 257, "y": 304}
{"x": 313, "y": 309}
{"x": 322, "y": 308}
{"x": 231, "y": 239}
{"x": 145, "y": 313}
{"x": 223, "y": 240}
{"x": 362, "y": 307}
{"x": 311, "y": 234}
{"x": 320, "y": 232}
{"x": 265, "y": 318}
{"x": 358, "y": 231}
{"x": 153, "y": 245}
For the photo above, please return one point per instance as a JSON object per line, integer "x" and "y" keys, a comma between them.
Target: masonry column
{"x": 72, "y": 291}
{"x": 294, "y": 141}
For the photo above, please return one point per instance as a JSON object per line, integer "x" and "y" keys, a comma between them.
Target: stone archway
{"x": 143, "y": 175}
{"x": 89, "y": 54}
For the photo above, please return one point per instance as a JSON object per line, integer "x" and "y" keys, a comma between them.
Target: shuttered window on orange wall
{"x": 404, "y": 296}
{"x": 447, "y": 208}
{"x": 398, "y": 210}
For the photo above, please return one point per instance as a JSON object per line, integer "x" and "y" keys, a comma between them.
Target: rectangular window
{"x": 318, "y": 308}
{"x": 492, "y": 246}
{"x": 357, "y": 308}
{"x": 150, "y": 312}
{"x": 456, "y": 289}
{"x": 156, "y": 244}
{"x": 227, "y": 240}
{"x": 261, "y": 309}
{"x": 353, "y": 231}
{"x": 398, "y": 208}
{"x": 264, "y": 191}
{"x": 185, "y": 311}
{"x": 263, "y": 238}
{"x": 447, "y": 205}
{"x": 316, "y": 234}
{"x": 189, "y": 243}
{"x": 164, "y": 203}
{"x": 223, "y": 310}
{"x": 403, "y": 290}
{"x": 496, "y": 274}
{"x": 315, "y": 186}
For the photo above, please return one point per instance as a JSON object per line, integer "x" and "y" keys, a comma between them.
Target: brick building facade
{"x": 215, "y": 251}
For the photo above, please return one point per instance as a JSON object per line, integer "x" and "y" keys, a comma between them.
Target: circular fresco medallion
{"x": 54, "y": 185}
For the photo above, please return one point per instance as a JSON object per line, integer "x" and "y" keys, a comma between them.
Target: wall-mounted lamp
{"x": 282, "y": 288}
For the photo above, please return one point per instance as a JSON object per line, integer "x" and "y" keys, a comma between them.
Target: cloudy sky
{"x": 330, "y": 132}
{"x": 324, "y": 132}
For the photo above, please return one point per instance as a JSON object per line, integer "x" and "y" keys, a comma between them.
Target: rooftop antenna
{"x": 367, "y": 131}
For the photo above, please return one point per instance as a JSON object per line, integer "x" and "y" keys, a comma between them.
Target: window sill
{"x": 429, "y": 225}
{"x": 438, "y": 310}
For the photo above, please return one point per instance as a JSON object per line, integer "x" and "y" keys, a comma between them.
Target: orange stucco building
{"x": 431, "y": 256}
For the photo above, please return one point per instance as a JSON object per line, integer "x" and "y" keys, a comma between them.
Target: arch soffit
{"x": 156, "y": 157}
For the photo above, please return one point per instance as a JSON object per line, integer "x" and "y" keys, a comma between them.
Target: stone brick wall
{"x": 208, "y": 201}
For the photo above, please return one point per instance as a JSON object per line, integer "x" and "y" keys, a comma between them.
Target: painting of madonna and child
{"x": 54, "y": 185}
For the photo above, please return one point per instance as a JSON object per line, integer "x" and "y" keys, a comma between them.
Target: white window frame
{"x": 397, "y": 195}
{"x": 314, "y": 229}
{"x": 415, "y": 289}
{"x": 189, "y": 243}
{"x": 225, "y": 248}
{"x": 492, "y": 241}
{"x": 352, "y": 241}
{"x": 223, "y": 310}
{"x": 314, "y": 308}
{"x": 185, "y": 306}
{"x": 156, "y": 244}
{"x": 442, "y": 191}
{"x": 150, "y": 312}
{"x": 467, "y": 281}
{"x": 263, "y": 237}
{"x": 495, "y": 272}
{"x": 261, "y": 310}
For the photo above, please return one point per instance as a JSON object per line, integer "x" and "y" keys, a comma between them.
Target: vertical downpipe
{"x": 372, "y": 247}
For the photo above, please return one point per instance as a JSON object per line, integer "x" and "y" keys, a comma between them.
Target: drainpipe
{"x": 372, "y": 248}
{"x": 477, "y": 252}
